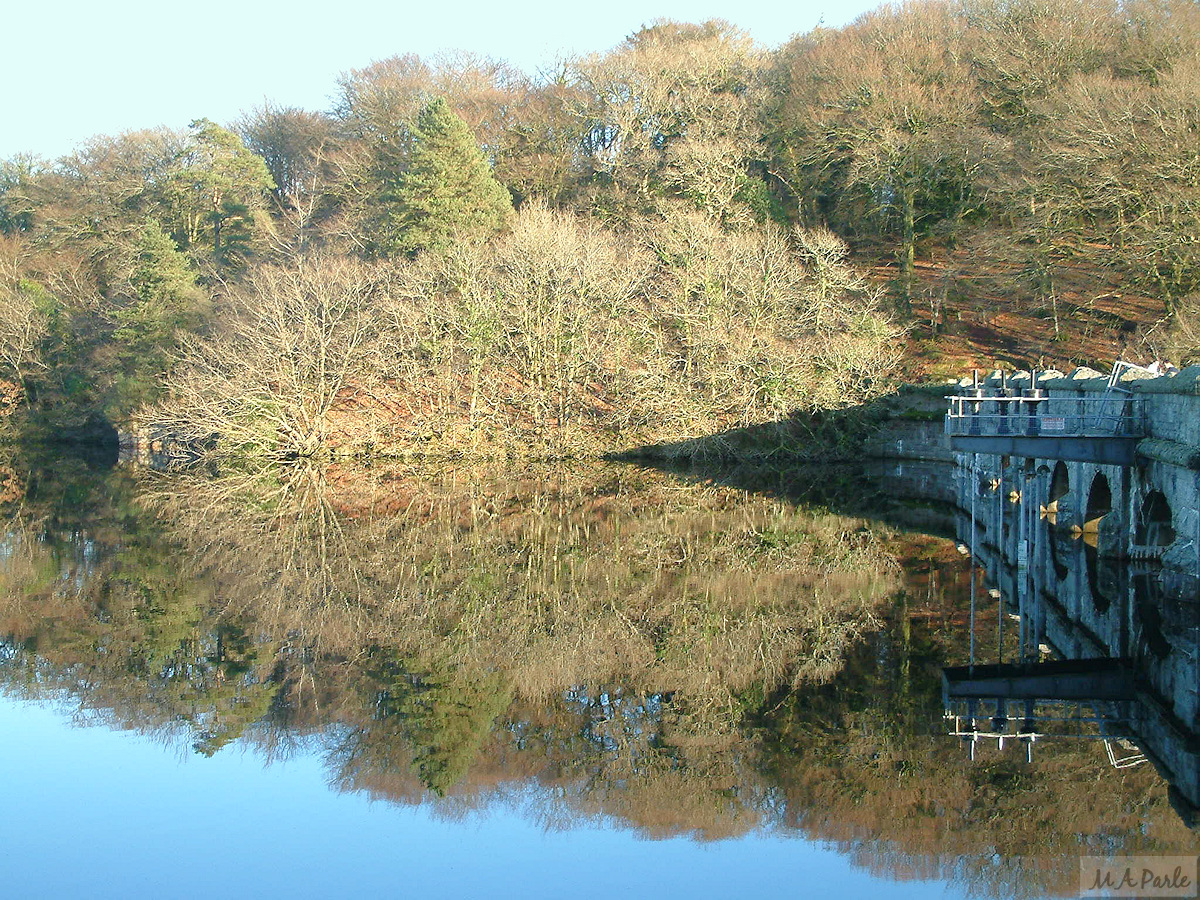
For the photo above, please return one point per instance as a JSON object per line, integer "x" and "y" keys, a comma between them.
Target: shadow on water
{"x": 907, "y": 495}
{"x": 703, "y": 653}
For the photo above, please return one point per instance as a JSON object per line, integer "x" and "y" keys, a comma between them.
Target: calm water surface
{"x": 591, "y": 681}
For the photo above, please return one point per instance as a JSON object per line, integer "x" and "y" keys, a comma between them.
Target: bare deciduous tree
{"x": 24, "y": 315}
{"x": 893, "y": 137}
{"x": 675, "y": 108}
{"x": 296, "y": 336}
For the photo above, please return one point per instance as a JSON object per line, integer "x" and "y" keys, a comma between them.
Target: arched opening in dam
{"x": 1099, "y": 505}
{"x": 1060, "y": 485}
{"x": 1056, "y": 514}
{"x": 1155, "y": 525}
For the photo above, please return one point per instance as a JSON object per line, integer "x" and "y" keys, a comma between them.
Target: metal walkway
{"x": 1028, "y": 423}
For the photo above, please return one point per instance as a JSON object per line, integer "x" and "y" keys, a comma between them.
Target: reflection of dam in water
{"x": 1095, "y": 564}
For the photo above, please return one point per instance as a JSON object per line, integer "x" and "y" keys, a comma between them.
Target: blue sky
{"x": 76, "y": 68}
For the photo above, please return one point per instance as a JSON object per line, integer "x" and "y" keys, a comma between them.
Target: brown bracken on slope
{"x": 973, "y": 308}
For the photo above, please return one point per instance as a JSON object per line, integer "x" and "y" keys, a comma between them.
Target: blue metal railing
{"x": 1036, "y": 415}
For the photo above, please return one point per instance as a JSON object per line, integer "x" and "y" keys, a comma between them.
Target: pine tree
{"x": 164, "y": 302}
{"x": 446, "y": 193}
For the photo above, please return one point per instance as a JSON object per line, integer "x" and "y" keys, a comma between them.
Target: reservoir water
{"x": 591, "y": 680}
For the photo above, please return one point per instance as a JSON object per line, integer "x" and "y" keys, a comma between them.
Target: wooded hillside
{"x": 686, "y": 233}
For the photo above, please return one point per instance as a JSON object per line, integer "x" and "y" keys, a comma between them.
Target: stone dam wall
{"x": 1101, "y": 560}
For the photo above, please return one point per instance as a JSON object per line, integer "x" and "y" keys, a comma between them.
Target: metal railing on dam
{"x": 1031, "y": 423}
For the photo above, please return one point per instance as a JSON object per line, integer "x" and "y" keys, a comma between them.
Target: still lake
{"x": 464, "y": 681}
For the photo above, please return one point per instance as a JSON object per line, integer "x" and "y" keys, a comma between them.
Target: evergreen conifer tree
{"x": 446, "y": 192}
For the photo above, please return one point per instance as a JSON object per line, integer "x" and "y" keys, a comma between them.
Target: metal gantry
{"x": 1027, "y": 422}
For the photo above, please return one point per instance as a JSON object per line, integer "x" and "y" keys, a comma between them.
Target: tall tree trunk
{"x": 908, "y": 199}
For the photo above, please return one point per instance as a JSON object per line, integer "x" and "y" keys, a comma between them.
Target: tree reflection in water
{"x": 579, "y": 641}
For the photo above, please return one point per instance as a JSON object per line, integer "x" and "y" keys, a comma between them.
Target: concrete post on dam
{"x": 1081, "y": 501}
